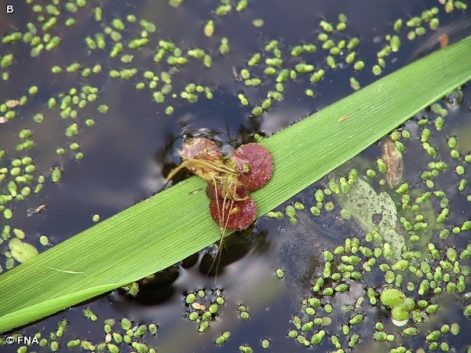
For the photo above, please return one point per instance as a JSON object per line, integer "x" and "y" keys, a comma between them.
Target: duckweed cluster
{"x": 243, "y": 312}
{"x": 203, "y": 307}
{"x": 407, "y": 242}
{"x": 118, "y": 335}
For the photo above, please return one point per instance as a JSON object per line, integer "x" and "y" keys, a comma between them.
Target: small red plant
{"x": 230, "y": 178}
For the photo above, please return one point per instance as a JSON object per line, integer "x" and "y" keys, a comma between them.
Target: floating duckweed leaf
{"x": 22, "y": 251}
{"x": 467, "y": 311}
{"x": 399, "y": 316}
{"x": 374, "y": 212}
{"x": 392, "y": 297}
{"x": 209, "y": 28}
{"x": 56, "y": 175}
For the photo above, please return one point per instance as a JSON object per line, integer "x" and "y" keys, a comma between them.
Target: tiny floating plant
{"x": 230, "y": 179}
{"x": 400, "y": 305}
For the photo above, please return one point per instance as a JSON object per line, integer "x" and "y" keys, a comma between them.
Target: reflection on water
{"x": 300, "y": 251}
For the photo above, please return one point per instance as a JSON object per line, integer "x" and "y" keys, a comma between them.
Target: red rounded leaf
{"x": 233, "y": 215}
{"x": 200, "y": 148}
{"x": 232, "y": 193}
{"x": 254, "y": 164}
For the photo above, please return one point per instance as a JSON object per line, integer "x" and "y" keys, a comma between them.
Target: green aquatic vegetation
{"x": 392, "y": 298}
{"x": 467, "y": 311}
{"x": 6, "y": 60}
{"x": 56, "y": 175}
{"x": 245, "y": 349}
{"x": 279, "y": 273}
{"x": 258, "y": 22}
{"x": 265, "y": 343}
{"x": 175, "y": 3}
{"x": 43, "y": 240}
{"x": 89, "y": 314}
{"x": 224, "y": 46}
{"x": 243, "y": 311}
{"x": 222, "y": 338}
{"x": 412, "y": 30}
{"x": 115, "y": 337}
{"x": 400, "y": 305}
{"x": 22, "y": 251}
{"x": 131, "y": 289}
{"x": 438, "y": 270}
{"x": 354, "y": 84}
{"x": 209, "y": 28}
{"x": 402, "y": 308}
{"x": 202, "y": 307}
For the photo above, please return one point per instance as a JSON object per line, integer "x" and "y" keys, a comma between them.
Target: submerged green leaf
{"x": 374, "y": 212}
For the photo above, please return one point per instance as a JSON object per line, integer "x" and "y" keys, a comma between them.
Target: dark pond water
{"x": 134, "y": 145}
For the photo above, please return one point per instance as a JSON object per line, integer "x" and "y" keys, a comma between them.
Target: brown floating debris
{"x": 393, "y": 159}
{"x": 12, "y": 103}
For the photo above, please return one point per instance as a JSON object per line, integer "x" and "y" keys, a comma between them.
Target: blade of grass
{"x": 172, "y": 225}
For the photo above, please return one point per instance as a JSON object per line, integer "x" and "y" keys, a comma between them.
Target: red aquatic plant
{"x": 254, "y": 165}
{"x": 230, "y": 178}
{"x": 233, "y": 215}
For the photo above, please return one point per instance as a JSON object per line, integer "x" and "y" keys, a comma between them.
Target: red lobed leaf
{"x": 200, "y": 148}
{"x": 254, "y": 164}
{"x": 238, "y": 217}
